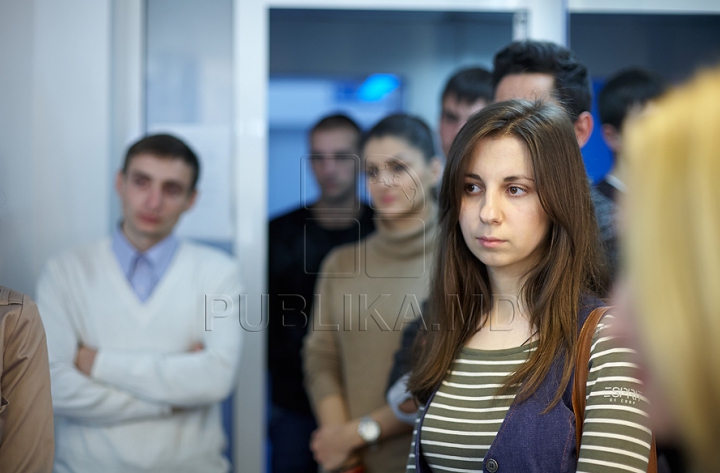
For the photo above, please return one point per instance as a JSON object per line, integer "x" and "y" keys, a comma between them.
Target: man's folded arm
{"x": 75, "y": 395}
{"x": 83, "y": 400}
{"x": 181, "y": 379}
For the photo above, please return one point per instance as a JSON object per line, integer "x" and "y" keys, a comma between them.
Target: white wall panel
{"x": 55, "y": 157}
{"x": 249, "y": 130}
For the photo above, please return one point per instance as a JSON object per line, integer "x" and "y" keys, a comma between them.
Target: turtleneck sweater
{"x": 366, "y": 293}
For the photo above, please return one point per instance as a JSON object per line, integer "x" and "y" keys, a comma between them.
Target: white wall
{"x": 54, "y": 131}
{"x": 128, "y": 84}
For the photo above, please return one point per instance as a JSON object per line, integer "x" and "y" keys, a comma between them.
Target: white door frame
{"x": 538, "y": 19}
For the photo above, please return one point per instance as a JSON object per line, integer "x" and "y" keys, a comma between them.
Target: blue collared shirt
{"x": 143, "y": 269}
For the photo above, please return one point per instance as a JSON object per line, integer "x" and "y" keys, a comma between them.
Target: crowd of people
{"x": 458, "y": 321}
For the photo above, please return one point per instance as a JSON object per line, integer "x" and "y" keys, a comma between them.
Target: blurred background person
{"x": 26, "y": 412}
{"x": 672, "y": 249}
{"x": 137, "y": 375}
{"x": 627, "y": 92}
{"x": 466, "y": 92}
{"x": 298, "y": 242}
{"x": 348, "y": 351}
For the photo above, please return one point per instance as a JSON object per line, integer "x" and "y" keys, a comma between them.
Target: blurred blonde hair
{"x": 673, "y": 254}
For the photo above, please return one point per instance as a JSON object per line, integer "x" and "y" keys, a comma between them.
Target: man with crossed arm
{"x": 137, "y": 381}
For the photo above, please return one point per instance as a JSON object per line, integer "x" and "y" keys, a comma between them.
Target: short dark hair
{"x": 626, "y": 89}
{"x": 413, "y": 130}
{"x": 165, "y": 146}
{"x": 470, "y": 85}
{"x": 572, "y": 81}
{"x": 335, "y": 121}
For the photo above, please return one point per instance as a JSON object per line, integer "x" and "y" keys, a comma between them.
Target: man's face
{"x": 540, "y": 86}
{"x": 532, "y": 86}
{"x": 154, "y": 193}
{"x": 453, "y": 116}
{"x": 334, "y": 161}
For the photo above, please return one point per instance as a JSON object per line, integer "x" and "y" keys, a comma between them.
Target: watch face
{"x": 369, "y": 430}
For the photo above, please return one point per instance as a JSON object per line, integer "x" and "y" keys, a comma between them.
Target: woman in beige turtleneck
{"x": 366, "y": 292}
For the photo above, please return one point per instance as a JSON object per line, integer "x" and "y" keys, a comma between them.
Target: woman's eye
{"x": 515, "y": 190}
{"x": 471, "y": 188}
{"x": 371, "y": 172}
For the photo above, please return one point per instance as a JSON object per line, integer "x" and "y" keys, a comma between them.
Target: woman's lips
{"x": 387, "y": 199}
{"x": 489, "y": 242}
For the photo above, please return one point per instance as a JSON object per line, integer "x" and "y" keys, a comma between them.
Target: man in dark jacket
{"x": 298, "y": 242}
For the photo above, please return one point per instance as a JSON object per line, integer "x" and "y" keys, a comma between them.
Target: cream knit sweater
{"x": 366, "y": 292}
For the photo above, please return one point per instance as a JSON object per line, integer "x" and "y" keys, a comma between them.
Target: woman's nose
{"x": 489, "y": 209}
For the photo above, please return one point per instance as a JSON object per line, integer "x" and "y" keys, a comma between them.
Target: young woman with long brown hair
{"x": 515, "y": 275}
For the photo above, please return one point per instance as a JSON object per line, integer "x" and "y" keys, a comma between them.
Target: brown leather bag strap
{"x": 582, "y": 362}
{"x": 652, "y": 461}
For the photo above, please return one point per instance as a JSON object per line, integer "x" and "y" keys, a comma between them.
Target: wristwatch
{"x": 369, "y": 430}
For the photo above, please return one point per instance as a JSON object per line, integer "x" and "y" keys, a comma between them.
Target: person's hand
{"x": 352, "y": 465}
{"x": 332, "y": 445}
{"x": 410, "y": 406}
{"x": 85, "y": 359}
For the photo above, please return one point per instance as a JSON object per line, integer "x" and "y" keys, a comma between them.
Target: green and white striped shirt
{"x": 466, "y": 413}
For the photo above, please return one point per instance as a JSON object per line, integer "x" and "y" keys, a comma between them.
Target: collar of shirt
{"x": 159, "y": 255}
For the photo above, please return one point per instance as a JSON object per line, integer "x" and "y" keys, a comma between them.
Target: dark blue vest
{"x": 529, "y": 441}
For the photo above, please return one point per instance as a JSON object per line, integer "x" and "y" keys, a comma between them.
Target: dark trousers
{"x": 289, "y": 434}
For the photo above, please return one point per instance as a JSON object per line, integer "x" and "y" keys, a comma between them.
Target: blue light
{"x": 377, "y": 86}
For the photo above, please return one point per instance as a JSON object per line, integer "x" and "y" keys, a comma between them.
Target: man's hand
{"x": 332, "y": 445}
{"x": 85, "y": 359}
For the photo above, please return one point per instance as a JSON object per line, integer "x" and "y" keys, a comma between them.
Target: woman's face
{"x": 398, "y": 176}
{"x": 501, "y": 218}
